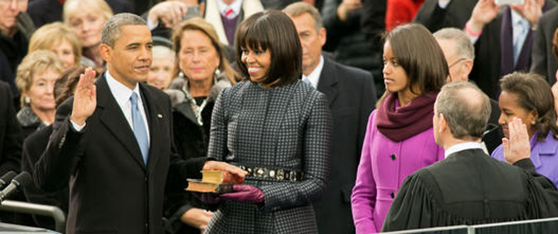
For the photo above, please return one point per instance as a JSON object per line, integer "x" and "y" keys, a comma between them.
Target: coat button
{"x": 392, "y": 195}
{"x": 393, "y": 157}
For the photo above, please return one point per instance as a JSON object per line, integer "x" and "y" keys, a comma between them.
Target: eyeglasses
{"x": 456, "y": 62}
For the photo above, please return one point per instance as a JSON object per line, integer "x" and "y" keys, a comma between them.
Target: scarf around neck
{"x": 401, "y": 122}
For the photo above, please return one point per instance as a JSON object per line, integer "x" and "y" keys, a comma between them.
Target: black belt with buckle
{"x": 273, "y": 173}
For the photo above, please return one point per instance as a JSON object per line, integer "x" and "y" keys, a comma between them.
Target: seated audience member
{"x": 60, "y": 39}
{"x": 438, "y": 14}
{"x": 543, "y": 57}
{"x": 226, "y": 15}
{"x": 86, "y": 18}
{"x": 460, "y": 54}
{"x": 10, "y": 132}
{"x": 528, "y": 97}
{"x": 35, "y": 80}
{"x": 164, "y": 16}
{"x": 468, "y": 187}
{"x": 399, "y": 138}
{"x": 202, "y": 72}
{"x": 13, "y": 40}
{"x": 36, "y": 143}
{"x": 160, "y": 73}
{"x": 503, "y": 40}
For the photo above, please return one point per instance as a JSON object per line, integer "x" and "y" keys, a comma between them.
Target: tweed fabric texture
{"x": 285, "y": 127}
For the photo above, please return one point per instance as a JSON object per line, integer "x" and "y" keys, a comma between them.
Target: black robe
{"x": 469, "y": 188}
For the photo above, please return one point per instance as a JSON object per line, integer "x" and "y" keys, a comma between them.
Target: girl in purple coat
{"x": 399, "y": 138}
{"x": 528, "y": 97}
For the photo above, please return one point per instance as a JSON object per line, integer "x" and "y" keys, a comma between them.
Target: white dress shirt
{"x": 235, "y": 6}
{"x": 314, "y": 76}
{"x": 460, "y": 147}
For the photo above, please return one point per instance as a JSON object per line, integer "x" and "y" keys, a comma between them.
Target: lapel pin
{"x": 160, "y": 116}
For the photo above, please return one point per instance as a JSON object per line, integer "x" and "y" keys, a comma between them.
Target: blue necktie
{"x": 307, "y": 81}
{"x": 520, "y": 40}
{"x": 139, "y": 128}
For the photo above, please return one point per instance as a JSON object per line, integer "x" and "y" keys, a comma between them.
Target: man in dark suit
{"x": 469, "y": 187}
{"x": 503, "y": 40}
{"x": 115, "y": 148}
{"x": 544, "y": 62}
{"x": 351, "y": 95}
{"x": 10, "y": 132}
{"x": 438, "y": 14}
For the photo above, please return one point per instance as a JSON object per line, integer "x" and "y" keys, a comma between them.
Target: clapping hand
{"x": 484, "y": 12}
{"x": 85, "y": 97}
{"x": 517, "y": 147}
{"x": 531, "y": 10}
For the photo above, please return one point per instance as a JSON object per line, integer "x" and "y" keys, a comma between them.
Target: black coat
{"x": 469, "y": 187}
{"x": 10, "y": 133}
{"x": 351, "y": 97}
{"x": 454, "y": 15}
{"x": 543, "y": 59}
{"x": 111, "y": 189}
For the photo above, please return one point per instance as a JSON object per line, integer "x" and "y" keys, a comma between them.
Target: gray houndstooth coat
{"x": 286, "y": 127}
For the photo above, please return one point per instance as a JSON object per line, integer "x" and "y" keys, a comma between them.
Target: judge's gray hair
{"x": 466, "y": 114}
{"x": 111, "y": 29}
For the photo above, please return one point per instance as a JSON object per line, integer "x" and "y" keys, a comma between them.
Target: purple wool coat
{"x": 384, "y": 164}
{"x": 544, "y": 156}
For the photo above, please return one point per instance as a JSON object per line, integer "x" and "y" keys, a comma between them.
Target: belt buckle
{"x": 280, "y": 174}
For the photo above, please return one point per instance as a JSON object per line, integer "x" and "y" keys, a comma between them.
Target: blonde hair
{"x": 199, "y": 24}
{"x": 35, "y": 62}
{"x": 72, "y": 7}
{"x": 54, "y": 34}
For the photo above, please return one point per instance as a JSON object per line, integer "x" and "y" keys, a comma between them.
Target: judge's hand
{"x": 197, "y": 218}
{"x": 484, "y": 12}
{"x": 85, "y": 97}
{"x": 222, "y": 166}
{"x": 169, "y": 12}
{"x": 518, "y": 146}
{"x": 244, "y": 193}
{"x": 531, "y": 10}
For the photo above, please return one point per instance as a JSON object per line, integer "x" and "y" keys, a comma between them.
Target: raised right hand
{"x": 85, "y": 97}
{"x": 517, "y": 147}
{"x": 484, "y": 12}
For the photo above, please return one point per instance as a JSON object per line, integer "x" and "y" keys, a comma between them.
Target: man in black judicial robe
{"x": 469, "y": 187}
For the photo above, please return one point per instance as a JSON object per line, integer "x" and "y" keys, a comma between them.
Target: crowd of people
{"x": 340, "y": 116}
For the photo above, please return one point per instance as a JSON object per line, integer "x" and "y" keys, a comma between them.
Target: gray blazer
{"x": 286, "y": 127}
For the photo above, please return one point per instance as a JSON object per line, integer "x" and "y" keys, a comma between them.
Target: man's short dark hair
{"x": 111, "y": 29}
{"x": 274, "y": 31}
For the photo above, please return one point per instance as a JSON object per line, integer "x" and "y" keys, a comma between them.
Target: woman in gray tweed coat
{"x": 275, "y": 127}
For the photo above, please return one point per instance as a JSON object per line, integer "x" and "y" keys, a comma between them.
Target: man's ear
{"x": 442, "y": 124}
{"x": 106, "y": 52}
{"x": 322, "y": 34}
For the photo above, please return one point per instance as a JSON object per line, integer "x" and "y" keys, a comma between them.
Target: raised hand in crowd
{"x": 484, "y": 12}
{"x": 531, "y": 10}
{"x": 85, "y": 97}
{"x": 346, "y": 7}
{"x": 168, "y": 12}
{"x": 517, "y": 147}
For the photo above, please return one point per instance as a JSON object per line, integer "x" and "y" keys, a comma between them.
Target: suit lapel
{"x": 113, "y": 118}
{"x": 328, "y": 81}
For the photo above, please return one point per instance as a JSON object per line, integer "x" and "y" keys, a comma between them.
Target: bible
{"x": 214, "y": 181}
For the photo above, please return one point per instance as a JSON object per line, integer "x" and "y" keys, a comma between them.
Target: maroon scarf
{"x": 400, "y": 123}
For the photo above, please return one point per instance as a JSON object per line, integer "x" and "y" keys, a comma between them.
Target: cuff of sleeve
{"x": 526, "y": 164}
{"x": 77, "y": 127}
{"x": 151, "y": 25}
{"x": 443, "y": 3}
